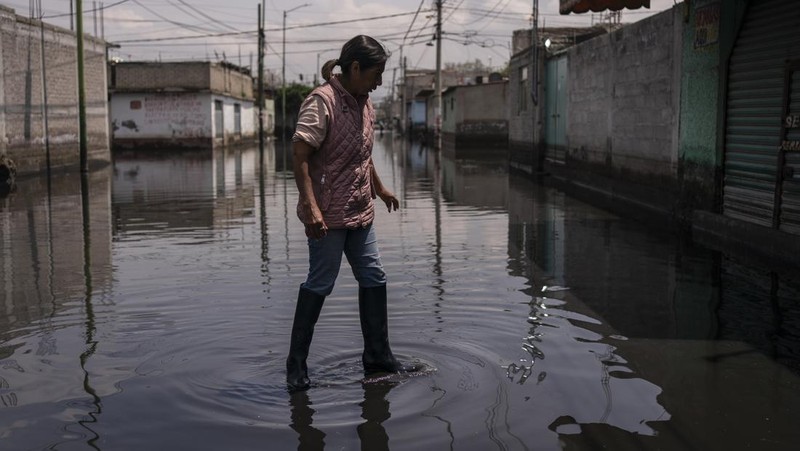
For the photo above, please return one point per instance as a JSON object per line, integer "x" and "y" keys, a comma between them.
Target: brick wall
{"x": 22, "y": 119}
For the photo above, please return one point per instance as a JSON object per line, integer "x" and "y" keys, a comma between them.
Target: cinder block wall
{"x": 624, "y": 97}
{"x": 481, "y": 115}
{"x": 231, "y": 82}
{"x": 623, "y": 116}
{"x": 151, "y": 76}
{"x": 524, "y": 124}
{"x": 22, "y": 93}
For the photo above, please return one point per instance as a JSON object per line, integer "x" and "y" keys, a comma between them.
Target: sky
{"x": 182, "y": 30}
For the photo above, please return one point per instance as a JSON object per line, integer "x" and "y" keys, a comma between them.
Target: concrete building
{"x": 475, "y": 117}
{"x": 688, "y": 117}
{"x": 526, "y": 113}
{"x": 415, "y": 89}
{"x": 39, "y": 87}
{"x": 181, "y": 105}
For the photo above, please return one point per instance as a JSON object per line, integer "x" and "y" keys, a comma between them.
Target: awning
{"x": 582, "y": 6}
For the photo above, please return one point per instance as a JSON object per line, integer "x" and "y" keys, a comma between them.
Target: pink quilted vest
{"x": 341, "y": 170}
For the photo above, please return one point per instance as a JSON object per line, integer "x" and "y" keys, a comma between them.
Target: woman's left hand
{"x": 392, "y": 204}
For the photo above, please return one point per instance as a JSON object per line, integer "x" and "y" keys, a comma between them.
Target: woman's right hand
{"x": 313, "y": 221}
{"x": 309, "y": 211}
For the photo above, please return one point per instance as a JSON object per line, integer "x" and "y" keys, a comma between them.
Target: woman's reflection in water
{"x": 310, "y": 438}
{"x": 374, "y": 410}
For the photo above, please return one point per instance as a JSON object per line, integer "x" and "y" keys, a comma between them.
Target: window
{"x": 524, "y": 90}
{"x": 219, "y": 123}
{"x": 237, "y": 119}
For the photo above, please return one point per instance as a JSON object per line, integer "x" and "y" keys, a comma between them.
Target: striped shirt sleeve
{"x": 312, "y": 123}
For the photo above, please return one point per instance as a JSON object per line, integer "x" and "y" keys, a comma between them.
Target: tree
{"x": 295, "y": 94}
{"x": 504, "y": 71}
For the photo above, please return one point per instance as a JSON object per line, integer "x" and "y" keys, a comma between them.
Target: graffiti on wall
{"x": 182, "y": 114}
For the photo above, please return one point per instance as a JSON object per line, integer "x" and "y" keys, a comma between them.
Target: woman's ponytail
{"x": 327, "y": 69}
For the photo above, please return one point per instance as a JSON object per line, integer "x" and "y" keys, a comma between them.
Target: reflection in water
{"x": 49, "y": 280}
{"x": 309, "y": 437}
{"x": 375, "y": 410}
{"x": 525, "y": 369}
{"x": 180, "y": 314}
{"x": 91, "y": 343}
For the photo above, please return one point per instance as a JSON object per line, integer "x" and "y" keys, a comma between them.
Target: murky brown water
{"x": 162, "y": 321}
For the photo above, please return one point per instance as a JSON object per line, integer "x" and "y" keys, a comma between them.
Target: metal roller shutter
{"x": 790, "y": 192}
{"x": 768, "y": 39}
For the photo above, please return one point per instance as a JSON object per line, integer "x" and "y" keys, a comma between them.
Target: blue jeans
{"x": 325, "y": 258}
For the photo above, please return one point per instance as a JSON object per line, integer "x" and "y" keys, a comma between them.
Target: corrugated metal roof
{"x": 582, "y": 6}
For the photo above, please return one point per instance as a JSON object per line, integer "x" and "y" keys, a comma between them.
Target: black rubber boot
{"x": 306, "y": 314}
{"x": 377, "y": 356}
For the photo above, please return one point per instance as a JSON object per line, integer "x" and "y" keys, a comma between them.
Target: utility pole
{"x": 283, "y": 82}
{"x": 438, "y": 109}
{"x": 84, "y": 147}
{"x": 403, "y": 63}
{"x": 402, "y": 95}
{"x": 44, "y": 96}
{"x": 316, "y": 74}
{"x": 536, "y": 149}
{"x": 535, "y": 55}
{"x": 394, "y": 74}
{"x": 283, "y": 72}
{"x": 404, "y": 101}
{"x": 260, "y": 79}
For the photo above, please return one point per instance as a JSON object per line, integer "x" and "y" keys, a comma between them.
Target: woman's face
{"x": 367, "y": 80}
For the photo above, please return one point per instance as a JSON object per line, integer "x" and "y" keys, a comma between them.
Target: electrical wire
{"x": 87, "y": 10}
{"x": 179, "y": 24}
{"x": 193, "y": 16}
{"x": 234, "y": 33}
{"x": 206, "y": 15}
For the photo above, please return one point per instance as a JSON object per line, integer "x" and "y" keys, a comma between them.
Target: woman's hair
{"x": 364, "y": 49}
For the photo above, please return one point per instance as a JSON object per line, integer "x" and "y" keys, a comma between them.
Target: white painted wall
{"x": 248, "y": 115}
{"x": 161, "y": 115}
{"x": 175, "y": 115}
{"x": 417, "y": 112}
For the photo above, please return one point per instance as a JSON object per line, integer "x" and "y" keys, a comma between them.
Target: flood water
{"x": 156, "y": 316}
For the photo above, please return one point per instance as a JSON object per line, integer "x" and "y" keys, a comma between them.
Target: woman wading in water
{"x": 337, "y": 181}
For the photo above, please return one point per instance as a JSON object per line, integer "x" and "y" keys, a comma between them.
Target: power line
{"x": 206, "y": 15}
{"x": 193, "y": 16}
{"x": 180, "y": 24}
{"x": 87, "y": 10}
{"x": 216, "y": 35}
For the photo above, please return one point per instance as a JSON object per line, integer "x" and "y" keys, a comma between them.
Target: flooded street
{"x": 157, "y": 316}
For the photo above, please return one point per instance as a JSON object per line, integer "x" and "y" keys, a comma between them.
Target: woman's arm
{"x": 392, "y": 204}
{"x": 310, "y": 212}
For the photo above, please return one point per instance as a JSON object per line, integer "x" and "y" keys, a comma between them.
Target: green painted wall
{"x": 700, "y": 83}
{"x": 702, "y": 98}
{"x": 701, "y": 131}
